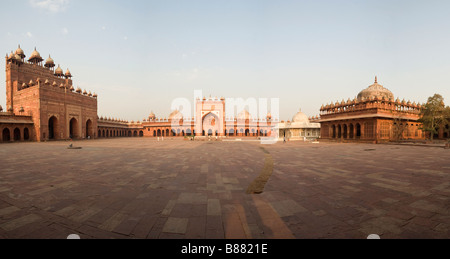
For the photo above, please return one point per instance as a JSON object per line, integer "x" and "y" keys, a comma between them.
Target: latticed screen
{"x": 385, "y": 129}
{"x": 368, "y": 129}
{"x": 326, "y": 131}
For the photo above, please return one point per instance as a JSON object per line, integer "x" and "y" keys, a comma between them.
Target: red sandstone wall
{"x": 42, "y": 101}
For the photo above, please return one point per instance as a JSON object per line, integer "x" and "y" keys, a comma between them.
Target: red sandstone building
{"x": 42, "y": 105}
{"x": 212, "y": 122}
{"x": 374, "y": 116}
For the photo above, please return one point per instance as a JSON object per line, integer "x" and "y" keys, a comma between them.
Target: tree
{"x": 433, "y": 115}
{"x": 447, "y": 126}
{"x": 398, "y": 128}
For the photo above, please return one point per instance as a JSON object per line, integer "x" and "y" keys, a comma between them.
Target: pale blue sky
{"x": 140, "y": 55}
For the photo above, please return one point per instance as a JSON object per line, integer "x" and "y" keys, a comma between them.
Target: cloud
{"x": 29, "y": 35}
{"x": 53, "y": 6}
{"x": 65, "y": 31}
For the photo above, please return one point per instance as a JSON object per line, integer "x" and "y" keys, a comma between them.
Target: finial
{"x": 376, "y": 80}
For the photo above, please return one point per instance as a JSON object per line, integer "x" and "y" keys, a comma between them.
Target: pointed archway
{"x": 211, "y": 124}
{"x": 358, "y": 131}
{"x": 351, "y": 131}
{"x": 53, "y": 128}
{"x": 6, "y": 135}
{"x": 17, "y": 136}
{"x": 89, "y": 129}
{"x": 26, "y": 134}
{"x": 74, "y": 131}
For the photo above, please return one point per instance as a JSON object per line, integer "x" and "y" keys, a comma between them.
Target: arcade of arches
{"x": 14, "y": 133}
{"x": 371, "y": 130}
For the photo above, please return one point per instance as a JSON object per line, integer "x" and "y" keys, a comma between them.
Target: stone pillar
{"x": 362, "y": 131}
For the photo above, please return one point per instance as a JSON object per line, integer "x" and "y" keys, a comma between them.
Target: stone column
{"x": 362, "y": 131}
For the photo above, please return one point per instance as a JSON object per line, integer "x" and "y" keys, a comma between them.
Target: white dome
{"x": 176, "y": 115}
{"x": 300, "y": 117}
{"x": 244, "y": 115}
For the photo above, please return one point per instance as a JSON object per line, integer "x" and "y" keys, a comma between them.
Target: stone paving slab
{"x": 141, "y": 188}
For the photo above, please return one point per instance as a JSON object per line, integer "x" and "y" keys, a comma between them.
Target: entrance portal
{"x": 74, "y": 129}
{"x": 89, "y": 129}
{"x": 211, "y": 124}
{"x": 52, "y": 128}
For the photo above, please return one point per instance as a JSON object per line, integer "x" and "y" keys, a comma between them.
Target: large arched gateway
{"x": 211, "y": 124}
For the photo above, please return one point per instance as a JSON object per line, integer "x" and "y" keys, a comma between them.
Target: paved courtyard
{"x": 141, "y": 188}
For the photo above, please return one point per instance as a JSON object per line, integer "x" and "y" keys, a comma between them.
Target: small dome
{"x": 49, "y": 63}
{"x": 68, "y": 74}
{"x": 84, "y": 92}
{"x": 176, "y": 115}
{"x": 17, "y": 58}
{"x": 35, "y": 57}
{"x": 59, "y": 71}
{"x": 79, "y": 90}
{"x": 95, "y": 95}
{"x": 11, "y": 56}
{"x": 151, "y": 115}
{"x": 300, "y": 117}
{"x": 375, "y": 91}
{"x": 20, "y": 52}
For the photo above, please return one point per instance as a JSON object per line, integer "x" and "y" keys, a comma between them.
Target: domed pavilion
{"x": 373, "y": 116}
{"x": 300, "y": 128}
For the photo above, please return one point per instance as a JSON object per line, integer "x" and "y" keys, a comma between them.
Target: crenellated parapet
{"x": 370, "y": 103}
{"x": 35, "y": 73}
